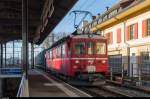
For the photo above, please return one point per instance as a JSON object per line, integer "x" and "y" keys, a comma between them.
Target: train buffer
{"x": 42, "y": 85}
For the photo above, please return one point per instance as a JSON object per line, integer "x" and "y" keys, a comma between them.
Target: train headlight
{"x": 91, "y": 62}
{"x": 104, "y": 61}
{"x": 76, "y": 61}
{"x": 75, "y": 67}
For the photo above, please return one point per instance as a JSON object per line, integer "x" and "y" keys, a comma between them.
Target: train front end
{"x": 89, "y": 59}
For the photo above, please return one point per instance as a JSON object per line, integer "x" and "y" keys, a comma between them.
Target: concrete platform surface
{"x": 42, "y": 85}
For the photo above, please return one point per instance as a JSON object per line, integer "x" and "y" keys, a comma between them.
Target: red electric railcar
{"x": 79, "y": 56}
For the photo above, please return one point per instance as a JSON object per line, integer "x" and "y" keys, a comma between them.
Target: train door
{"x": 133, "y": 66}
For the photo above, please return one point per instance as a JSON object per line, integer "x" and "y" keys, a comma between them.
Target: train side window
{"x": 47, "y": 54}
{"x": 80, "y": 48}
{"x": 63, "y": 50}
{"x": 50, "y": 54}
{"x": 54, "y": 53}
{"x": 100, "y": 48}
{"x": 58, "y": 52}
{"x": 90, "y": 48}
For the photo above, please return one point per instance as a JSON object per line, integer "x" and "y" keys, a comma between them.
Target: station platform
{"x": 42, "y": 85}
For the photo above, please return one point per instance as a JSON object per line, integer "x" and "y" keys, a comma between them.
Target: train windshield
{"x": 79, "y": 48}
{"x": 100, "y": 48}
{"x": 90, "y": 48}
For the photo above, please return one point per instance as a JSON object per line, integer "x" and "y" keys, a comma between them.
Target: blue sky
{"x": 94, "y": 6}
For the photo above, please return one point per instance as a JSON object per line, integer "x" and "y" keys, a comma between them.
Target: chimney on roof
{"x": 107, "y": 8}
{"x": 93, "y": 17}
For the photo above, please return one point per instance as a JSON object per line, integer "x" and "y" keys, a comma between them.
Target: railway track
{"x": 113, "y": 91}
{"x": 97, "y": 92}
{"x": 109, "y": 90}
{"x": 129, "y": 92}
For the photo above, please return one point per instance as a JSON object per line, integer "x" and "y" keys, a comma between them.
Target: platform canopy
{"x": 43, "y": 16}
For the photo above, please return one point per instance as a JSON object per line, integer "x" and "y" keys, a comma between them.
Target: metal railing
{"x": 115, "y": 69}
{"x": 131, "y": 73}
{"x": 138, "y": 74}
{"x": 23, "y": 88}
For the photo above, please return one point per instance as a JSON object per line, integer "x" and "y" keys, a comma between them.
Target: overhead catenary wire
{"x": 68, "y": 19}
{"x": 66, "y": 22}
{"x": 87, "y": 9}
{"x": 90, "y": 6}
{"x": 79, "y": 7}
{"x": 83, "y": 4}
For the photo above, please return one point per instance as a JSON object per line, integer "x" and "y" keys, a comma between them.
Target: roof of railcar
{"x": 75, "y": 35}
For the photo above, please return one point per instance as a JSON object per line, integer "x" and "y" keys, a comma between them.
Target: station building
{"x": 126, "y": 25}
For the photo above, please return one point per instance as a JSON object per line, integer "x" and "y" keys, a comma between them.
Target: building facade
{"x": 127, "y": 27}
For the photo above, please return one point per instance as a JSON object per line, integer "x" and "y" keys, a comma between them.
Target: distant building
{"x": 126, "y": 25}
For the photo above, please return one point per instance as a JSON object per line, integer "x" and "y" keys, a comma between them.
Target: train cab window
{"x": 80, "y": 48}
{"x": 90, "y": 48}
{"x": 100, "y": 48}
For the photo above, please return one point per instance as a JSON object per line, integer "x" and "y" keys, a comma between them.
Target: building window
{"x": 148, "y": 27}
{"x": 105, "y": 17}
{"x": 145, "y": 57}
{"x": 131, "y": 32}
{"x": 109, "y": 38}
{"x": 99, "y": 20}
{"x": 113, "y": 13}
{"x": 95, "y": 23}
{"x": 119, "y": 35}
